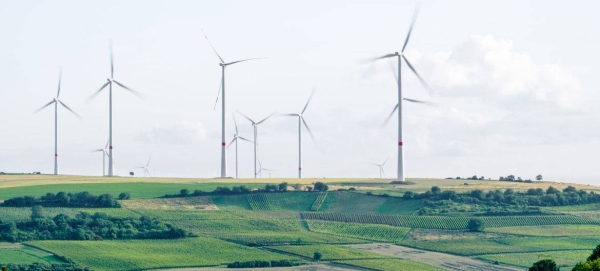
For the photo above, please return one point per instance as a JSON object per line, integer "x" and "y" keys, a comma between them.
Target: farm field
{"x": 144, "y": 254}
{"x": 564, "y": 259}
{"x": 19, "y": 254}
{"x": 352, "y": 229}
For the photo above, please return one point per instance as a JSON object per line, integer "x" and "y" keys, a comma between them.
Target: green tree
{"x": 124, "y": 196}
{"x": 37, "y": 211}
{"x": 475, "y": 225}
{"x": 595, "y": 254}
{"x": 283, "y": 186}
{"x": 319, "y": 186}
{"x": 184, "y": 192}
{"x": 318, "y": 256}
{"x": 539, "y": 177}
{"x": 436, "y": 190}
{"x": 544, "y": 265}
{"x": 587, "y": 266}
{"x": 408, "y": 195}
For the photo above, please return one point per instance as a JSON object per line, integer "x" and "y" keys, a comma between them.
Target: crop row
{"x": 319, "y": 201}
{"x": 259, "y": 202}
{"x": 382, "y": 233}
{"x": 446, "y": 222}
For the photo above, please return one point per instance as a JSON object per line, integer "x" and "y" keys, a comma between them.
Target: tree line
{"x": 85, "y": 226}
{"x": 62, "y": 199}
{"x": 242, "y": 190}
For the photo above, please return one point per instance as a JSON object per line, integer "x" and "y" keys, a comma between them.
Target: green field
{"x": 273, "y": 226}
{"x": 330, "y": 252}
{"x": 391, "y": 265}
{"x": 473, "y": 247}
{"x": 373, "y": 232}
{"x": 24, "y": 255}
{"x": 144, "y": 254}
{"x": 564, "y": 259}
{"x": 551, "y": 230}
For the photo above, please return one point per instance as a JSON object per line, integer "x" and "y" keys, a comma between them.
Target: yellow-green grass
{"x": 550, "y": 230}
{"x": 24, "y": 255}
{"x": 329, "y": 252}
{"x": 473, "y": 247}
{"x": 391, "y": 265}
{"x": 564, "y": 259}
{"x": 145, "y": 254}
{"x": 373, "y": 232}
{"x": 572, "y": 208}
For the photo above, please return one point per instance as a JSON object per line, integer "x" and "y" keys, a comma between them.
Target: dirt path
{"x": 446, "y": 261}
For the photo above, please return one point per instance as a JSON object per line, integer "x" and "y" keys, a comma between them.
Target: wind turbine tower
{"x": 110, "y": 82}
{"x": 223, "y": 65}
{"x": 56, "y": 101}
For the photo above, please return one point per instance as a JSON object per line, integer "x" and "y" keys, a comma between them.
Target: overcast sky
{"x": 516, "y": 83}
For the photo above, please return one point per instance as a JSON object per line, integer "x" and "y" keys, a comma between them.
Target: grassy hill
{"x": 293, "y": 225}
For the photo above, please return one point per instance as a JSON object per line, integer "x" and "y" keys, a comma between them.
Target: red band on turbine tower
{"x": 110, "y": 147}
{"x": 56, "y": 154}
{"x": 223, "y": 144}
{"x": 400, "y": 143}
{"x": 299, "y": 168}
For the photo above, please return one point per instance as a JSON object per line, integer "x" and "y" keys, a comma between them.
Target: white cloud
{"x": 485, "y": 66}
{"x": 179, "y": 133}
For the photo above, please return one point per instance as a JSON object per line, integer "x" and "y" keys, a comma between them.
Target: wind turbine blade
{"x": 374, "y": 164}
{"x": 382, "y": 171}
{"x": 385, "y": 161}
{"x": 245, "y": 139}
{"x": 389, "y": 116}
{"x": 48, "y": 104}
{"x": 97, "y": 92}
{"x": 97, "y": 150}
{"x": 235, "y": 123}
{"x": 218, "y": 93}
{"x": 69, "y": 109}
{"x": 112, "y": 68}
{"x": 108, "y": 141}
{"x": 307, "y": 102}
{"x": 136, "y": 93}
{"x": 148, "y": 161}
{"x": 429, "y": 89}
{"x": 231, "y": 63}
{"x": 263, "y": 120}
{"x": 211, "y": 46}
{"x": 412, "y": 24}
{"x": 231, "y": 142}
{"x": 59, "y": 79}
{"x": 393, "y": 70}
{"x": 292, "y": 115}
{"x": 309, "y": 131}
{"x": 248, "y": 118}
{"x": 420, "y": 102}
{"x": 148, "y": 172}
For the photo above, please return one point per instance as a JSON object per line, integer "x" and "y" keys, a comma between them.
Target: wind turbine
{"x": 236, "y": 136}
{"x": 401, "y": 56}
{"x": 56, "y": 101}
{"x": 260, "y": 170}
{"x": 223, "y": 65}
{"x": 381, "y": 171}
{"x": 300, "y": 122}
{"x": 104, "y": 154}
{"x": 146, "y": 168}
{"x": 110, "y": 82}
{"x": 255, "y": 125}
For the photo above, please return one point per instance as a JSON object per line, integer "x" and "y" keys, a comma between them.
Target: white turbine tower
{"x": 400, "y": 55}
{"x": 300, "y": 122}
{"x": 255, "y": 125}
{"x": 146, "y": 168}
{"x": 56, "y": 101}
{"x": 223, "y": 65}
{"x": 104, "y": 154}
{"x": 236, "y": 136}
{"x": 110, "y": 82}
{"x": 381, "y": 171}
